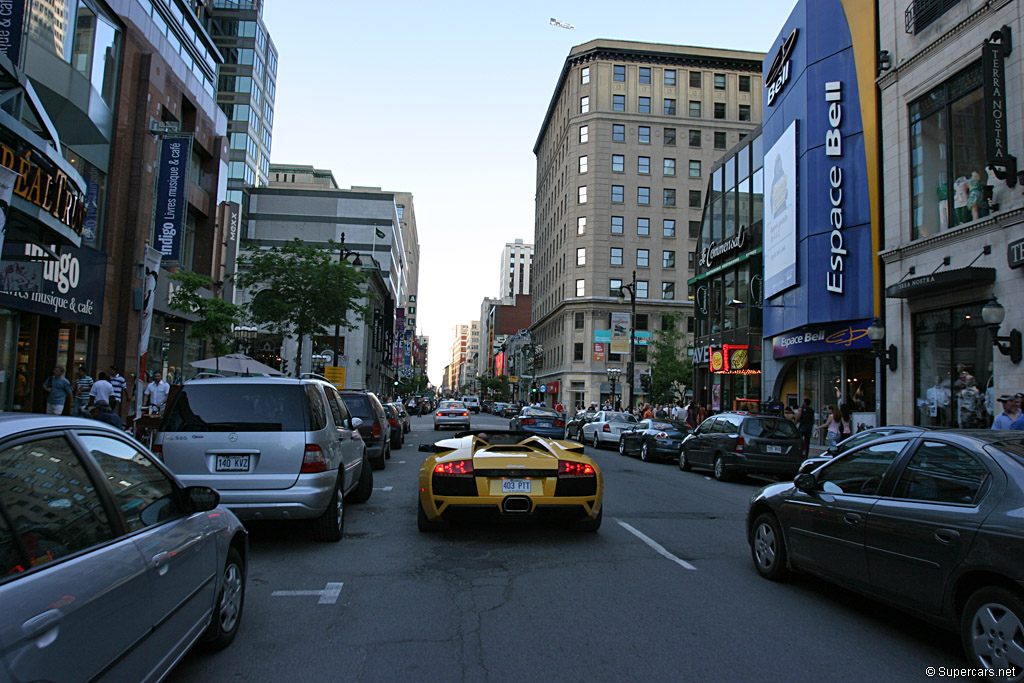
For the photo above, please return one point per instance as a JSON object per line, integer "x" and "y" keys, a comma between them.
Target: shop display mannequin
{"x": 943, "y": 192}
{"x": 961, "y": 190}
{"x": 975, "y": 201}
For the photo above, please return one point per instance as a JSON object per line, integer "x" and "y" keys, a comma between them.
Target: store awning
{"x": 941, "y": 281}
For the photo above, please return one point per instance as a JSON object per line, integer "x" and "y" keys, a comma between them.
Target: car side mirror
{"x": 356, "y": 422}
{"x": 805, "y": 481}
{"x": 201, "y": 498}
{"x": 832, "y": 451}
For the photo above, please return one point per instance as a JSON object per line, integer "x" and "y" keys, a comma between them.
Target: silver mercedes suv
{"x": 275, "y": 448}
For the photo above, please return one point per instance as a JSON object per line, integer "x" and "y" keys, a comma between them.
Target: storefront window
{"x": 14, "y": 387}
{"x": 95, "y": 50}
{"x": 953, "y": 368}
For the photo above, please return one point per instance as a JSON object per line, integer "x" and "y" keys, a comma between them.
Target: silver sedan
{"x": 451, "y": 414}
{"x": 605, "y": 428}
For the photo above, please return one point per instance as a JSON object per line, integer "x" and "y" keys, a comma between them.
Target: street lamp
{"x": 1010, "y": 345}
{"x": 613, "y": 377}
{"x": 344, "y": 253}
{"x": 631, "y": 288}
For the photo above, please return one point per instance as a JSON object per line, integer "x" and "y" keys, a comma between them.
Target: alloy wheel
{"x": 764, "y": 545}
{"x": 231, "y": 598}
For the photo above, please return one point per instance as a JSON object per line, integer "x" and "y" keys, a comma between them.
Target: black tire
{"x": 328, "y": 526}
{"x": 227, "y": 614}
{"x": 590, "y": 524}
{"x": 436, "y": 428}
{"x": 991, "y": 625}
{"x": 382, "y": 462}
{"x": 644, "y": 455}
{"x": 684, "y": 462}
{"x": 596, "y": 443}
{"x": 622, "y": 446}
{"x": 364, "y": 489}
{"x": 768, "y": 548}
{"x": 721, "y": 474}
{"x": 422, "y": 523}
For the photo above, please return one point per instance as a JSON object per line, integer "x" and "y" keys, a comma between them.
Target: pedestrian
{"x": 678, "y": 412}
{"x": 691, "y": 415}
{"x": 648, "y": 411}
{"x": 101, "y": 411}
{"x": 831, "y": 425}
{"x": 101, "y": 390}
{"x": 1011, "y": 412}
{"x": 845, "y": 422}
{"x": 805, "y": 424}
{"x": 83, "y": 385}
{"x": 120, "y": 384}
{"x": 58, "y": 391}
{"x": 1018, "y": 424}
{"x": 702, "y": 413}
{"x": 156, "y": 393}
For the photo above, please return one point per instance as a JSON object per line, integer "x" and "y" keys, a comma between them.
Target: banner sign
{"x": 71, "y": 287}
{"x": 620, "y": 332}
{"x": 231, "y": 215}
{"x": 7, "y": 180}
{"x": 172, "y": 195}
{"x": 599, "y": 351}
{"x": 994, "y": 79}
{"x": 12, "y": 18}
{"x": 827, "y": 338}
{"x": 603, "y": 336}
{"x": 152, "y": 272}
{"x": 780, "y": 214}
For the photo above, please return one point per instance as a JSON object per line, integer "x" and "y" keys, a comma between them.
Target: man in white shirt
{"x": 678, "y": 413}
{"x": 101, "y": 390}
{"x": 156, "y": 392}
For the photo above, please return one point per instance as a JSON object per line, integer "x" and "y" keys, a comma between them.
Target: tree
{"x": 671, "y": 367}
{"x": 304, "y": 290}
{"x": 497, "y": 388}
{"x": 216, "y": 317}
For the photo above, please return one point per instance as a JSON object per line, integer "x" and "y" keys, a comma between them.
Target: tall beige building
{"x": 622, "y": 153}
{"x": 465, "y": 352}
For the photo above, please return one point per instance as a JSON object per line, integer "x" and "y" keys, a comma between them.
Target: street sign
{"x": 335, "y": 376}
{"x": 543, "y": 388}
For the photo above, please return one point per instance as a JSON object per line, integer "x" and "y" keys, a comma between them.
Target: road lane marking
{"x": 385, "y": 489}
{"x": 328, "y": 596}
{"x": 657, "y": 547}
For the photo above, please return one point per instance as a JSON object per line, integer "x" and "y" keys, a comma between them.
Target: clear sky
{"x": 445, "y": 100}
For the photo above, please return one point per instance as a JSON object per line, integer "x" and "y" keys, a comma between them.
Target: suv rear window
{"x": 238, "y": 408}
{"x": 767, "y": 428}
{"x": 359, "y": 406}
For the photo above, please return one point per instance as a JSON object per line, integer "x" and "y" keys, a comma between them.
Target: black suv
{"x": 375, "y": 430}
{"x": 742, "y": 443}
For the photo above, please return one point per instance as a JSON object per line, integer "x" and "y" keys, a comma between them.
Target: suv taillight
{"x": 376, "y": 430}
{"x": 393, "y": 423}
{"x": 158, "y": 449}
{"x": 739, "y": 444}
{"x": 313, "y": 460}
{"x": 455, "y": 468}
{"x": 606, "y": 428}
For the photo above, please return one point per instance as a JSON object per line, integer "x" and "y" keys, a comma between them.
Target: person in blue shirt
{"x": 1011, "y": 412}
{"x": 101, "y": 411}
{"x": 58, "y": 390}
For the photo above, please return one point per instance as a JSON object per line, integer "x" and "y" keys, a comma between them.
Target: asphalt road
{"x": 665, "y": 591}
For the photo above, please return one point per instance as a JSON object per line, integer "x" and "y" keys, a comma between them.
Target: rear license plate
{"x": 233, "y": 463}
{"x": 516, "y": 486}
{"x": 543, "y": 424}
{"x": 773, "y": 449}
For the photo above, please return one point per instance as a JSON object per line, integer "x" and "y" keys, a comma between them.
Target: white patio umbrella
{"x": 238, "y": 363}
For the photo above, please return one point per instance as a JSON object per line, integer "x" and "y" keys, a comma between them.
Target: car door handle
{"x": 160, "y": 561}
{"x": 947, "y": 536}
{"x": 44, "y": 624}
{"x": 852, "y": 518}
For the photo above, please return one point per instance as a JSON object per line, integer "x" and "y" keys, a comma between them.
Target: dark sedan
{"x": 654, "y": 440}
{"x": 930, "y": 522}
{"x": 862, "y": 437}
{"x": 511, "y": 410}
{"x": 541, "y": 421}
{"x": 574, "y": 426}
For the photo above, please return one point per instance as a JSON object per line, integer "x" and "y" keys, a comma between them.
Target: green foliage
{"x": 302, "y": 290}
{"x": 216, "y": 317}
{"x": 497, "y": 388}
{"x": 415, "y": 385}
{"x": 671, "y": 367}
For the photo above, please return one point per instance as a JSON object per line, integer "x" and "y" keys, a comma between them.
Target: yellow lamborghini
{"x": 507, "y": 474}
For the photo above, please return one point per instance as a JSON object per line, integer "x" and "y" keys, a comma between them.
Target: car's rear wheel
{"x": 382, "y": 462}
{"x": 361, "y": 493}
{"x": 684, "y": 462}
{"x": 328, "y": 526}
{"x": 590, "y": 524}
{"x": 423, "y": 523}
{"x": 721, "y": 474}
{"x": 644, "y": 453}
{"x": 595, "y": 442}
{"x": 436, "y": 428}
{"x": 991, "y": 630}
{"x": 622, "y": 446}
{"x": 227, "y": 614}
{"x": 768, "y": 549}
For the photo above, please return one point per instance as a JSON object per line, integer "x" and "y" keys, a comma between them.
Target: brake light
{"x": 606, "y": 428}
{"x": 575, "y": 469}
{"x": 739, "y": 444}
{"x": 527, "y": 421}
{"x": 158, "y": 449}
{"x": 376, "y": 430}
{"x": 313, "y": 460}
{"x": 559, "y": 423}
{"x": 393, "y": 423}
{"x": 465, "y": 415}
{"x": 440, "y": 414}
{"x": 661, "y": 435}
{"x": 454, "y": 468}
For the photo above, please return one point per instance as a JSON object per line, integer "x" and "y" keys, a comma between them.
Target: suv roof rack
{"x": 313, "y": 375}
{"x": 207, "y": 375}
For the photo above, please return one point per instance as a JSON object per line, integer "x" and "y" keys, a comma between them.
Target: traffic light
{"x": 645, "y": 382}
{"x": 396, "y": 382}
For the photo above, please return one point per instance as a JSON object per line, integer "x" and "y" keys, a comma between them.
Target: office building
{"x": 515, "y": 270}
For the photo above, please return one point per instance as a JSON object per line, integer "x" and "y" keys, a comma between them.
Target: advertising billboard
{"x": 780, "y": 214}
{"x": 172, "y": 195}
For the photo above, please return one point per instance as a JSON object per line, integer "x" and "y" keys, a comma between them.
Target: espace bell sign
{"x": 821, "y": 166}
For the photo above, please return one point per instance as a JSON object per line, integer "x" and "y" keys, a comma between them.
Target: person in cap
{"x": 101, "y": 411}
{"x": 1018, "y": 424}
{"x": 1011, "y": 412}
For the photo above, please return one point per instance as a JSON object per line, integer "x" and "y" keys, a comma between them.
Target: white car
{"x": 451, "y": 414}
{"x": 472, "y": 402}
{"x": 606, "y": 427}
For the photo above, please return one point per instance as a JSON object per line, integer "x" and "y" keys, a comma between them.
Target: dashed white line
{"x": 328, "y": 596}
{"x": 658, "y": 548}
{"x": 385, "y": 489}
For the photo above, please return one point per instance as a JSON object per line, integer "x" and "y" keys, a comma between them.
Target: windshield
{"x": 766, "y": 427}
{"x": 238, "y": 408}
{"x": 453, "y": 405}
{"x": 619, "y": 417}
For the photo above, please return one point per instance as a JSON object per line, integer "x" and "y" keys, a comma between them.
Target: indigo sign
{"x": 172, "y": 196}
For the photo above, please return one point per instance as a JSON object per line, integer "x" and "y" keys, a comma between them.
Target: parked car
{"x": 574, "y": 425}
{"x": 654, "y": 439}
{"x": 541, "y": 421}
{"x": 472, "y": 402}
{"x": 929, "y": 522}
{"x": 109, "y": 566}
{"x": 274, "y": 447}
{"x": 403, "y": 416}
{"x": 604, "y": 428}
{"x": 397, "y": 433}
{"x": 374, "y": 428}
{"x": 498, "y": 407}
{"x": 737, "y": 443}
{"x": 511, "y": 409}
{"x": 862, "y": 437}
{"x": 451, "y": 414}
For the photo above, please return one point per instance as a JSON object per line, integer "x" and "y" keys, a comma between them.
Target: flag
{"x": 152, "y": 261}
{"x": 380, "y": 233}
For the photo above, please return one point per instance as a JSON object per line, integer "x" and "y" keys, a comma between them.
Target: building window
{"x": 668, "y": 196}
{"x": 643, "y": 165}
{"x": 584, "y": 105}
{"x": 744, "y": 112}
{"x": 583, "y": 194}
{"x": 694, "y": 199}
{"x": 578, "y": 320}
{"x": 584, "y": 134}
{"x": 620, "y": 73}
{"x": 670, "y": 107}
{"x": 618, "y": 132}
{"x": 617, "y": 223}
{"x": 618, "y": 103}
{"x": 580, "y": 287}
{"x": 641, "y": 293}
{"x": 695, "y": 168}
{"x": 669, "y": 167}
{"x": 744, "y": 83}
{"x": 643, "y": 195}
{"x": 643, "y": 135}
{"x": 947, "y": 155}
{"x": 694, "y": 79}
{"x": 670, "y": 136}
{"x": 585, "y": 75}
{"x": 618, "y": 163}
{"x": 581, "y": 225}
{"x": 577, "y": 351}
{"x": 616, "y": 259}
{"x": 583, "y": 164}
{"x": 670, "y": 77}
{"x": 581, "y": 256}
{"x": 694, "y": 229}
{"x": 668, "y": 259}
{"x": 668, "y": 291}
{"x": 691, "y": 259}
{"x": 690, "y": 326}
{"x": 642, "y": 321}
{"x": 695, "y": 109}
{"x": 645, "y": 74}
{"x": 614, "y": 287}
{"x": 719, "y": 81}
{"x": 643, "y": 226}
{"x": 694, "y": 138}
{"x": 922, "y": 13}
{"x": 719, "y": 110}
{"x": 618, "y": 194}
{"x": 668, "y": 227}
{"x": 719, "y": 139}
{"x": 643, "y": 258}
{"x": 643, "y": 105}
